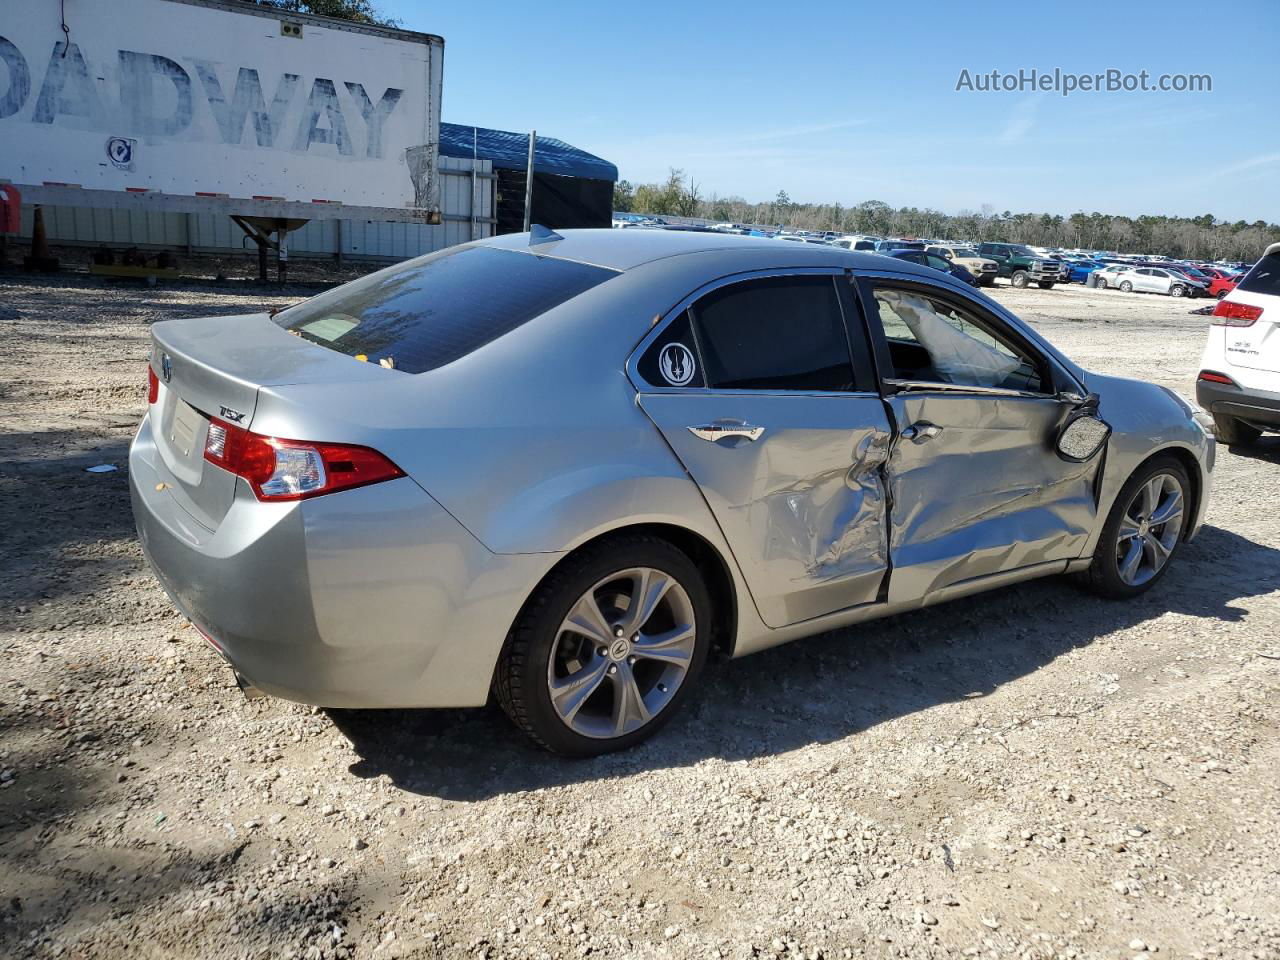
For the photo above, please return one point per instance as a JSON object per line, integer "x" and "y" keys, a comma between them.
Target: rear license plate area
{"x": 184, "y": 428}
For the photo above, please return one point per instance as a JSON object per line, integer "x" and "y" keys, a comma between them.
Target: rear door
{"x": 757, "y": 387}
{"x": 975, "y": 485}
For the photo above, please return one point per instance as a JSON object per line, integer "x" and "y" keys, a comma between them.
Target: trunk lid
{"x": 214, "y": 367}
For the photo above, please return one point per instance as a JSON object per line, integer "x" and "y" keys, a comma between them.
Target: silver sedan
{"x": 561, "y": 470}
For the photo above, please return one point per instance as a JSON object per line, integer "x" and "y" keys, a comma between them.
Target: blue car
{"x": 938, "y": 263}
{"x": 1080, "y": 269}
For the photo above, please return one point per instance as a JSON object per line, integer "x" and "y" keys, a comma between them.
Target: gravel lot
{"x": 1033, "y": 773}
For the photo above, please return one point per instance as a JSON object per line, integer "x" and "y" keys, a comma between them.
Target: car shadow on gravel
{"x": 1266, "y": 449}
{"x": 820, "y": 689}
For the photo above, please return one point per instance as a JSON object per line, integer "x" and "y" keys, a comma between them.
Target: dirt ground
{"x": 1031, "y": 773}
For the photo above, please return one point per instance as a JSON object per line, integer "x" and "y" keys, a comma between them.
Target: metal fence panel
{"x": 361, "y": 239}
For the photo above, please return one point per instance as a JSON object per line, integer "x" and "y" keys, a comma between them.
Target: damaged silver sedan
{"x": 560, "y": 470}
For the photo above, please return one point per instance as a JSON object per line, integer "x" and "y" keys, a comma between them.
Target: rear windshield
{"x": 1264, "y": 277}
{"x": 427, "y": 312}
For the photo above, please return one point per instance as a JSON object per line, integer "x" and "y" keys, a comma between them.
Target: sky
{"x": 852, "y": 101}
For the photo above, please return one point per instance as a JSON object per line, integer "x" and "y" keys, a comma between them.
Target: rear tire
{"x": 1019, "y": 279}
{"x": 1234, "y": 432}
{"x": 1129, "y": 528}
{"x": 1126, "y": 286}
{"x": 1221, "y": 294}
{"x": 608, "y": 699}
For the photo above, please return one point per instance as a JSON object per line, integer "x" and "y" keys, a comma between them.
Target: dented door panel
{"x": 986, "y": 493}
{"x": 802, "y": 506}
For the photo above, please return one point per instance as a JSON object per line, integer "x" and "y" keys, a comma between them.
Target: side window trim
{"x": 864, "y": 373}
{"x": 890, "y": 383}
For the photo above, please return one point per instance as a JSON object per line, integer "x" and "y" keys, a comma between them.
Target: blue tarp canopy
{"x": 511, "y": 151}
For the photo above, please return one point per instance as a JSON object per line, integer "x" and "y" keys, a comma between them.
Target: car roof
{"x": 627, "y": 249}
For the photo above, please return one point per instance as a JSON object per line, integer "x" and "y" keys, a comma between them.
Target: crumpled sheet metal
{"x": 979, "y": 500}
{"x": 826, "y": 543}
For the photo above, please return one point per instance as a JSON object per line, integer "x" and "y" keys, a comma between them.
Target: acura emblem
{"x": 166, "y": 367}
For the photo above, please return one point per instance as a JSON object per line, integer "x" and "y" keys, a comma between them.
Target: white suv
{"x": 1239, "y": 380}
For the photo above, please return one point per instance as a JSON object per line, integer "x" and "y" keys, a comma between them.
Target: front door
{"x": 755, "y": 389}
{"x": 975, "y": 484}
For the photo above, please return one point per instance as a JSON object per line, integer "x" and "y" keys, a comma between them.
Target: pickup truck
{"x": 983, "y": 268}
{"x": 1021, "y": 265}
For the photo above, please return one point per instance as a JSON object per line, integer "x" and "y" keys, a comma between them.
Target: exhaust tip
{"x": 248, "y": 689}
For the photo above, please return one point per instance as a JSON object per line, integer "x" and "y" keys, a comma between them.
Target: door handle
{"x": 725, "y": 429}
{"x": 921, "y": 432}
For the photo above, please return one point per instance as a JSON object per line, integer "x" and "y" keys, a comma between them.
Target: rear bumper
{"x": 374, "y": 597}
{"x": 1261, "y": 407}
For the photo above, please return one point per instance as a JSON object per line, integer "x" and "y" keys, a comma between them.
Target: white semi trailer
{"x": 216, "y": 106}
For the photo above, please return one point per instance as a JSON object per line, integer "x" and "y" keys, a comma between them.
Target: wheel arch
{"x": 711, "y": 563}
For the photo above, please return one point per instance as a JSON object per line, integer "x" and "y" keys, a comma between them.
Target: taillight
{"x": 153, "y": 386}
{"x": 1228, "y": 313}
{"x": 1212, "y": 377}
{"x": 279, "y": 469}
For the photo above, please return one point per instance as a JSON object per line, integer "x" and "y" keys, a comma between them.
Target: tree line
{"x": 1202, "y": 238}
{"x": 357, "y": 11}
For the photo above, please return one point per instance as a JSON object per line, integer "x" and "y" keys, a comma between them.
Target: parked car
{"x": 1158, "y": 280}
{"x": 1079, "y": 268}
{"x": 936, "y": 262}
{"x": 1239, "y": 381}
{"x": 1021, "y": 265}
{"x": 1223, "y": 283}
{"x": 858, "y": 241}
{"x": 983, "y": 268}
{"x": 855, "y": 243}
{"x": 1195, "y": 273}
{"x": 491, "y": 469}
{"x": 888, "y": 246}
{"x": 1109, "y": 276}
{"x": 803, "y": 238}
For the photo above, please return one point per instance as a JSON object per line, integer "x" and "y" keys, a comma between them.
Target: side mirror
{"x": 1083, "y": 435}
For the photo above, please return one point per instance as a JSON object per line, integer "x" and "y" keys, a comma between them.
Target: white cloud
{"x": 1021, "y": 119}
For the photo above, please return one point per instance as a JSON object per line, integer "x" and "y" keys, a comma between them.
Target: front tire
{"x": 1044, "y": 284}
{"x": 1101, "y": 283}
{"x": 608, "y": 648}
{"x": 1234, "y": 432}
{"x": 1019, "y": 279}
{"x": 1143, "y": 532}
{"x": 1178, "y": 290}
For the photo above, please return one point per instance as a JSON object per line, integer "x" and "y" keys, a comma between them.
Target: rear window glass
{"x": 1264, "y": 277}
{"x": 427, "y": 312}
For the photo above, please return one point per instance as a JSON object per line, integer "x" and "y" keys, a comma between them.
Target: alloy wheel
{"x": 1149, "y": 529}
{"x": 621, "y": 653}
